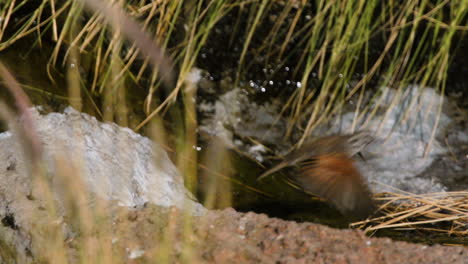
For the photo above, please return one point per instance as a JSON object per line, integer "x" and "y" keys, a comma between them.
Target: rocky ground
{"x": 230, "y": 237}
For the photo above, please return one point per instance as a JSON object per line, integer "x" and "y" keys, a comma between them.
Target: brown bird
{"x": 326, "y": 168}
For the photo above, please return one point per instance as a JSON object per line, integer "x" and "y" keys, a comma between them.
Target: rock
{"x": 414, "y": 127}
{"x": 80, "y": 154}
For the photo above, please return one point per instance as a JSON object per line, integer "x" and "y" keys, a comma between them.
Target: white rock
{"x": 116, "y": 163}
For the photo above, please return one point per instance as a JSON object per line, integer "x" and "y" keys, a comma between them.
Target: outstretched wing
{"x": 335, "y": 178}
{"x": 293, "y": 158}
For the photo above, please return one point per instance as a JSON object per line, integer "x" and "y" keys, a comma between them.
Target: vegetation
{"x": 130, "y": 62}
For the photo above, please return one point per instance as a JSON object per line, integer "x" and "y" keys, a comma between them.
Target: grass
{"x": 444, "y": 213}
{"x": 153, "y": 48}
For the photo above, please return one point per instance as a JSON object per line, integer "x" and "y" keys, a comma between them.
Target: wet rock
{"x": 416, "y": 129}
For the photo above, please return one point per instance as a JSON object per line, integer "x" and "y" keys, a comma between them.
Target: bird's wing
{"x": 335, "y": 178}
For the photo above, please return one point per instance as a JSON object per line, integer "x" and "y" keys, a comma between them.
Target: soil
{"x": 228, "y": 236}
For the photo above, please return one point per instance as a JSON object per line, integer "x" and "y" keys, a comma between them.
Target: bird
{"x": 325, "y": 167}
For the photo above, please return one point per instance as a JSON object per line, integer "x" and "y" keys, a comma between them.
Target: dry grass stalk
{"x": 437, "y": 212}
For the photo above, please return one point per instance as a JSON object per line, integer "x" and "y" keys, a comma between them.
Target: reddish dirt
{"x": 230, "y": 237}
